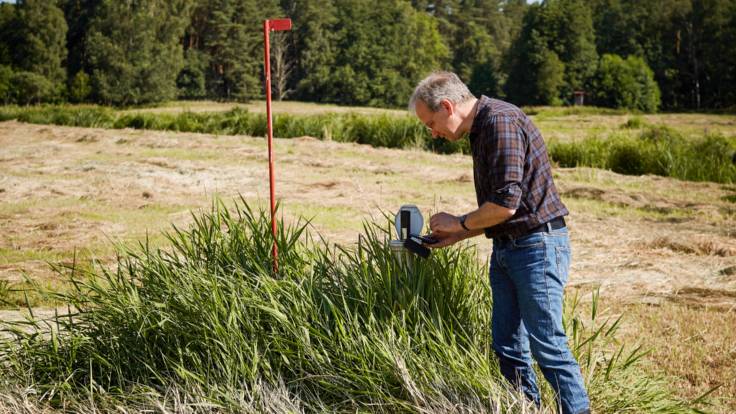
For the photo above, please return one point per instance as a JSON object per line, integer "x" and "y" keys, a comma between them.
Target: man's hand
{"x": 444, "y": 239}
{"x": 446, "y": 223}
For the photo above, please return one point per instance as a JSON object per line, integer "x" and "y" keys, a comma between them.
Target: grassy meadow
{"x": 127, "y": 311}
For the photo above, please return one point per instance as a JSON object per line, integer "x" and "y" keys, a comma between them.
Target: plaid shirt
{"x": 511, "y": 168}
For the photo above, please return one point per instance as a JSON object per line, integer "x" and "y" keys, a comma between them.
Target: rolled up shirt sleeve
{"x": 506, "y": 162}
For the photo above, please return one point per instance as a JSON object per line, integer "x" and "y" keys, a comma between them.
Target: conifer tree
{"x": 382, "y": 50}
{"x": 226, "y": 38}
{"x": 7, "y": 31}
{"x": 41, "y": 44}
{"x": 556, "y": 35}
{"x": 314, "y": 46}
{"x": 133, "y": 50}
{"x": 78, "y": 14}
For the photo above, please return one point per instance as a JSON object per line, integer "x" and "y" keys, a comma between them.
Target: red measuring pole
{"x": 268, "y": 25}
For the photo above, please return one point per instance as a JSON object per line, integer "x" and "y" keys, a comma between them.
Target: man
{"x": 520, "y": 209}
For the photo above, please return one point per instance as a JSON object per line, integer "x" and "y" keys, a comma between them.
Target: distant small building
{"x": 579, "y": 98}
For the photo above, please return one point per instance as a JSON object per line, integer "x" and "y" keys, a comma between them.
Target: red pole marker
{"x": 268, "y": 25}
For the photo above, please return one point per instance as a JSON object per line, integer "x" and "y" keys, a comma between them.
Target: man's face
{"x": 443, "y": 123}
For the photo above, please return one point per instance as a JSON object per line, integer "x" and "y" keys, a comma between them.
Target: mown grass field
{"x": 637, "y": 146}
{"x": 662, "y": 251}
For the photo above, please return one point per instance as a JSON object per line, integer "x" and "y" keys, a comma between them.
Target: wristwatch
{"x": 462, "y": 222}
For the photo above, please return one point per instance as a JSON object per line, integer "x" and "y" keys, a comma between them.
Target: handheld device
{"x": 409, "y": 223}
{"x": 427, "y": 239}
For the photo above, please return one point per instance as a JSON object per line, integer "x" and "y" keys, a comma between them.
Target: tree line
{"x": 671, "y": 54}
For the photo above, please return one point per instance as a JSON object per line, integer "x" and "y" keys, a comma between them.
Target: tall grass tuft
{"x": 545, "y": 112}
{"x": 376, "y": 130}
{"x": 87, "y": 116}
{"x": 657, "y": 150}
{"x": 635, "y": 122}
{"x": 337, "y": 329}
{"x": 9, "y": 112}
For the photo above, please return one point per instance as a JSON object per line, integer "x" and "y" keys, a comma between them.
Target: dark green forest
{"x": 642, "y": 55}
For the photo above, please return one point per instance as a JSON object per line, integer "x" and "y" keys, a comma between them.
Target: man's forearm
{"x": 487, "y": 215}
{"x": 471, "y": 233}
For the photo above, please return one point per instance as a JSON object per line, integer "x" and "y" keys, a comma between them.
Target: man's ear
{"x": 449, "y": 107}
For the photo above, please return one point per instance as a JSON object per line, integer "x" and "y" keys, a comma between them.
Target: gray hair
{"x": 438, "y": 86}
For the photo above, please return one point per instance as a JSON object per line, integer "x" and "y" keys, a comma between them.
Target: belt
{"x": 554, "y": 224}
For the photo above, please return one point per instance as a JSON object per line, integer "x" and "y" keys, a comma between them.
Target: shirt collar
{"x": 484, "y": 105}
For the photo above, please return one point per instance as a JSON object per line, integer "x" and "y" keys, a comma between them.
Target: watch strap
{"x": 462, "y": 222}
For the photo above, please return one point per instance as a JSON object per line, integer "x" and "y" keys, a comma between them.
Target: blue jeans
{"x": 528, "y": 276}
